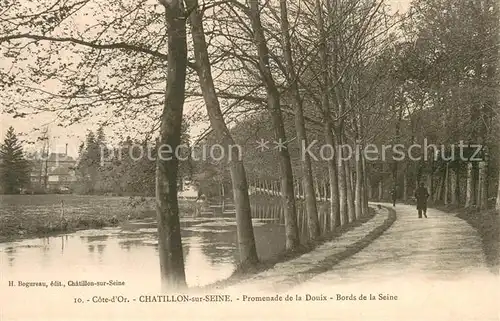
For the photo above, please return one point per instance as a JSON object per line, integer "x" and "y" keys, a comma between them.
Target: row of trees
{"x": 424, "y": 96}
{"x": 342, "y": 72}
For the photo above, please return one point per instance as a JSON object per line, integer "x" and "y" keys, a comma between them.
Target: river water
{"x": 131, "y": 250}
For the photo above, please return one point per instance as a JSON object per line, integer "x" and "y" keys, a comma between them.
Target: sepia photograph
{"x": 249, "y": 160}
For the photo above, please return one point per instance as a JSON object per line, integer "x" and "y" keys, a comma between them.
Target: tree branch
{"x": 94, "y": 45}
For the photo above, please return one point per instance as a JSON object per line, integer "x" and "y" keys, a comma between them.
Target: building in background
{"x": 55, "y": 172}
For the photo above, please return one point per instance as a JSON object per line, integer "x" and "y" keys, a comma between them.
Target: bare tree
{"x": 274, "y": 107}
{"x": 116, "y": 38}
{"x": 295, "y": 96}
{"x": 169, "y": 229}
{"x": 246, "y": 239}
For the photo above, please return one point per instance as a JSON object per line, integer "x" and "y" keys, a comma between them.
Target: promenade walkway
{"x": 295, "y": 271}
{"x": 418, "y": 269}
{"x": 441, "y": 246}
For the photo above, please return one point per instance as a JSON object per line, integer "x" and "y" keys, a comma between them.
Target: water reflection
{"x": 209, "y": 245}
{"x": 100, "y": 248}
{"x": 63, "y": 239}
{"x": 96, "y": 238}
{"x": 11, "y": 255}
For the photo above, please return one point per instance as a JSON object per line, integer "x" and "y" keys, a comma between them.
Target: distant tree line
{"x": 14, "y": 166}
{"x": 121, "y": 169}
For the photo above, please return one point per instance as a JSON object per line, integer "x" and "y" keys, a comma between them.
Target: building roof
{"x": 61, "y": 171}
{"x": 60, "y": 157}
{"x": 57, "y": 164}
{"x": 53, "y": 157}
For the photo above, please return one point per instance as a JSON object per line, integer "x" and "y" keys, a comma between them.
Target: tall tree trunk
{"x": 325, "y": 191}
{"x": 246, "y": 238}
{"x": 430, "y": 177}
{"x": 364, "y": 209}
{"x": 497, "y": 205}
{"x": 310, "y": 195}
{"x": 317, "y": 189}
{"x": 405, "y": 187}
{"x": 335, "y": 207}
{"x": 440, "y": 187}
{"x": 273, "y": 101}
{"x": 359, "y": 178}
{"x": 447, "y": 184}
{"x": 459, "y": 192}
{"x": 469, "y": 189}
{"x": 430, "y": 186}
{"x": 498, "y": 196}
{"x": 351, "y": 211}
{"x": 333, "y": 178}
{"x": 437, "y": 190}
{"x": 326, "y": 92}
{"x": 497, "y": 78}
{"x": 397, "y": 134}
{"x": 475, "y": 175}
{"x": 453, "y": 186}
{"x": 483, "y": 186}
{"x": 167, "y": 207}
{"x": 358, "y": 207}
{"x": 344, "y": 219}
{"x": 362, "y": 169}
{"x": 366, "y": 188}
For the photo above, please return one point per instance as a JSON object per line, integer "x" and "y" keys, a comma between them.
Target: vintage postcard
{"x": 249, "y": 160}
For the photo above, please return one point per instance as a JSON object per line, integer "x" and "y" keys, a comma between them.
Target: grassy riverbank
{"x": 30, "y": 216}
{"x": 486, "y": 223}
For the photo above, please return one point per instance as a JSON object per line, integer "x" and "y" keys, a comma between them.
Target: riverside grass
{"x": 30, "y": 216}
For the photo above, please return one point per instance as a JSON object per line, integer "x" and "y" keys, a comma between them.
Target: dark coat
{"x": 421, "y": 194}
{"x": 394, "y": 193}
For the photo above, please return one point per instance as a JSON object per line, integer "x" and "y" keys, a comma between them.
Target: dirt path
{"x": 422, "y": 269}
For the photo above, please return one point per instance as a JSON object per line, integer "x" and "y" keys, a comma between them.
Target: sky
{"x": 75, "y": 134}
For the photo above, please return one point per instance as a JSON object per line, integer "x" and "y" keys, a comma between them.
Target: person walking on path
{"x": 394, "y": 195}
{"x": 421, "y": 194}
